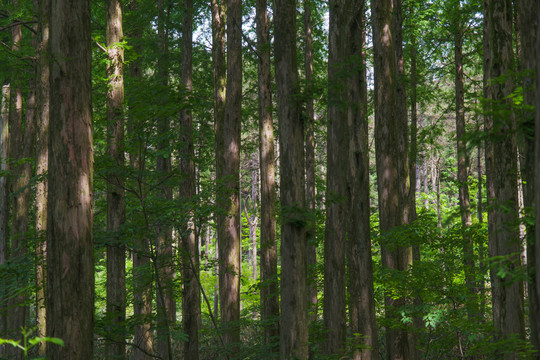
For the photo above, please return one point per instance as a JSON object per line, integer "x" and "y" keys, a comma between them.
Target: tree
{"x": 116, "y": 205}
{"x": 191, "y": 299}
{"x": 70, "y": 252}
{"x": 537, "y": 170}
{"x": 293, "y": 325}
{"x": 501, "y": 173}
{"x": 269, "y": 298}
{"x": 391, "y": 160}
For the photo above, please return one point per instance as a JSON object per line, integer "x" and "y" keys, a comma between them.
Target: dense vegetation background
{"x": 235, "y": 179}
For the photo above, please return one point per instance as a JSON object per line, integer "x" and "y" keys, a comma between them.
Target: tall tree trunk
{"x": 335, "y": 236}
{"x": 70, "y": 251}
{"x": 463, "y": 162}
{"x": 537, "y": 178}
{"x": 4, "y": 204}
{"x": 189, "y": 249}
{"x": 528, "y": 18}
{"x": 142, "y": 271}
{"x": 311, "y": 238}
{"x": 501, "y": 172}
{"x": 391, "y": 159}
{"x": 361, "y": 297}
{"x": 116, "y": 205}
{"x": 228, "y": 200}
{"x": 269, "y": 297}
{"x": 294, "y": 329}
{"x": 42, "y": 143}
{"x": 166, "y": 304}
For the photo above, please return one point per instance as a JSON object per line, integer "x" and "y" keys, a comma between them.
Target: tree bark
{"x": 293, "y": 326}
{"x": 269, "y": 298}
{"x": 334, "y": 307}
{"x": 116, "y": 205}
{"x": 4, "y": 203}
{"x": 311, "y": 233}
{"x": 391, "y": 159}
{"x": 361, "y": 293}
{"x": 189, "y": 249}
{"x": 228, "y": 200}
{"x": 537, "y": 178}
{"x": 528, "y": 19}
{"x": 42, "y": 143}
{"x": 501, "y": 175}
{"x": 70, "y": 255}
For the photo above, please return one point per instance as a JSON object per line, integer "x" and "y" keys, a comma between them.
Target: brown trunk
{"x": 334, "y": 308}
{"x": 116, "y": 205}
{"x": 294, "y": 329}
{"x": 142, "y": 271}
{"x": 189, "y": 249}
{"x": 501, "y": 172}
{"x": 70, "y": 251}
{"x": 311, "y": 254}
{"x": 229, "y": 178}
{"x": 537, "y": 171}
{"x": 361, "y": 297}
{"x": 392, "y": 168}
{"x": 4, "y": 205}
{"x": 269, "y": 298}
{"x": 528, "y": 18}
{"x": 463, "y": 163}
{"x": 42, "y": 143}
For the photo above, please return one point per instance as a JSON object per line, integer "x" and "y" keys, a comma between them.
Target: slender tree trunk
{"x": 269, "y": 297}
{"x": 311, "y": 255}
{"x": 228, "y": 200}
{"x": 463, "y": 163}
{"x": 537, "y": 178}
{"x": 334, "y": 309}
{"x": 501, "y": 171}
{"x": 142, "y": 271}
{"x": 70, "y": 251}
{"x": 189, "y": 249}
{"x": 116, "y": 205}
{"x": 528, "y": 18}
{"x": 361, "y": 293}
{"x": 391, "y": 160}
{"x": 42, "y": 143}
{"x": 293, "y": 326}
{"x": 4, "y": 204}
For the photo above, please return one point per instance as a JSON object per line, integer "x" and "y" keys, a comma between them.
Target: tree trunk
{"x": 269, "y": 298}
{"x": 334, "y": 309}
{"x": 537, "y": 178}
{"x": 463, "y": 164}
{"x": 528, "y": 18}
{"x": 116, "y": 205}
{"x": 189, "y": 249}
{"x": 391, "y": 160}
{"x": 228, "y": 200}
{"x": 501, "y": 172}
{"x": 4, "y": 204}
{"x": 361, "y": 297}
{"x": 42, "y": 143}
{"x": 311, "y": 234}
{"x": 70, "y": 251}
{"x": 294, "y": 329}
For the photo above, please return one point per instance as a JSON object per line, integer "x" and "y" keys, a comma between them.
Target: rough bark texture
{"x": 269, "y": 292}
{"x": 537, "y": 171}
{"x": 334, "y": 308}
{"x": 116, "y": 205}
{"x": 293, "y": 326}
{"x": 189, "y": 249}
{"x": 166, "y": 304}
{"x": 70, "y": 252}
{"x": 501, "y": 175}
{"x": 42, "y": 153}
{"x": 311, "y": 253}
{"x": 4, "y": 203}
{"x": 229, "y": 178}
{"x": 390, "y": 130}
{"x": 463, "y": 161}
{"x": 142, "y": 271}
{"x": 528, "y": 19}
{"x": 361, "y": 297}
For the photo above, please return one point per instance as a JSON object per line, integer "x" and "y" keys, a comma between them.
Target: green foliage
{"x": 29, "y": 342}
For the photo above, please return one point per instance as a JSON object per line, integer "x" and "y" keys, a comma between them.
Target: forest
{"x": 258, "y": 179}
